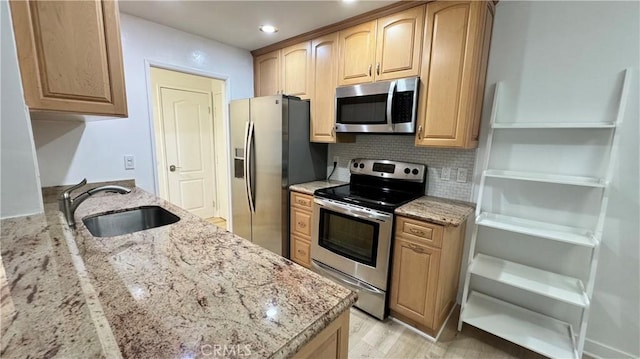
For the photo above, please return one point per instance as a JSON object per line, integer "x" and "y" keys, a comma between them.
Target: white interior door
{"x": 188, "y": 142}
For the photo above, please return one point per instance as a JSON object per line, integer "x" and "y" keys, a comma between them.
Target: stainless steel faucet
{"x": 68, "y": 206}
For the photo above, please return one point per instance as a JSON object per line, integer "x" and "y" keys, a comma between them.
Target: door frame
{"x": 148, "y": 63}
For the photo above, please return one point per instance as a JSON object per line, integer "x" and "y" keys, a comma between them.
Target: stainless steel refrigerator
{"x": 270, "y": 150}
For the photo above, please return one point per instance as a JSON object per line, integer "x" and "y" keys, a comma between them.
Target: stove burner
{"x": 379, "y": 184}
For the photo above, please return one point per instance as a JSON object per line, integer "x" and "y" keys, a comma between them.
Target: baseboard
{"x": 601, "y": 351}
{"x": 420, "y": 332}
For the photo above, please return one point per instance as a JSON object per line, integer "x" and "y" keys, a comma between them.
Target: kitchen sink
{"x": 127, "y": 221}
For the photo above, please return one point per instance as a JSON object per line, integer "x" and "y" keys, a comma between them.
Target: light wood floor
{"x": 220, "y": 222}
{"x": 371, "y": 338}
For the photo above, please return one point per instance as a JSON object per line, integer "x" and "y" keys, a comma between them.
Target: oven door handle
{"x": 343, "y": 279}
{"x": 353, "y": 211}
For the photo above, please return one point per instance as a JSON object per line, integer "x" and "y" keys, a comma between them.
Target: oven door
{"x": 353, "y": 240}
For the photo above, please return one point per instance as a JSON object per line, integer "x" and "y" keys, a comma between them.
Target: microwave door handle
{"x": 392, "y": 90}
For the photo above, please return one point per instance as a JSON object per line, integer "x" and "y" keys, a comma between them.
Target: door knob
{"x": 172, "y": 168}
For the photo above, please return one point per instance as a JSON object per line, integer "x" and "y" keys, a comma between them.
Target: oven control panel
{"x": 388, "y": 169}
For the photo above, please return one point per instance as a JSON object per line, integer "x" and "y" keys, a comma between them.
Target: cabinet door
{"x": 414, "y": 280}
{"x": 70, "y": 56}
{"x": 453, "y": 72}
{"x": 324, "y": 69}
{"x": 301, "y": 251}
{"x": 398, "y": 44}
{"x": 267, "y": 74}
{"x": 357, "y": 53}
{"x": 296, "y": 70}
{"x": 301, "y": 223}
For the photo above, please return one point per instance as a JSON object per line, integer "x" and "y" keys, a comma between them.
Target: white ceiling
{"x": 236, "y": 22}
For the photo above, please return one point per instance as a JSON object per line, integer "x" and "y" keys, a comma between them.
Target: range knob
{"x": 362, "y": 165}
{"x": 407, "y": 170}
{"x": 355, "y": 165}
{"x": 415, "y": 171}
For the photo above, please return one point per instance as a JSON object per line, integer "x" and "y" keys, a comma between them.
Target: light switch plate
{"x": 462, "y": 175}
{"x": 446, "y": 174}
{"x": 129, "y": 162}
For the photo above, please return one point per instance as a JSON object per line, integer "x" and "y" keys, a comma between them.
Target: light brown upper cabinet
{"x": 324, "y": 79}
{"x": 70, "y": 56}
{"x": 453, "y": 73}
{"x": 383, "y": 49}
{"x": 296, "y": 70}
{"x": 267, "y": 74}
{"x": 286, "y": 71}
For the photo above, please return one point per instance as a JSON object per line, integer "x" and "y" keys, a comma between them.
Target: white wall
{"x": 562, "y": 61}
{"x": 19, "y": 183}
{"x": 70, "y": 151}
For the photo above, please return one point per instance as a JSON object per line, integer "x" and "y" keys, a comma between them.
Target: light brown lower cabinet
{"x": 300, "y": 232}
{"x": 330, "y": 343}
{"x": 426, "y": 266}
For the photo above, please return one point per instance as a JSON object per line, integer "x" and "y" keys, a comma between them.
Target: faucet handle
{"x": 67, "y": 192}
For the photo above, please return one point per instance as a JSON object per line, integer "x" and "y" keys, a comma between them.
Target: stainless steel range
{"x": 353, "y": 227}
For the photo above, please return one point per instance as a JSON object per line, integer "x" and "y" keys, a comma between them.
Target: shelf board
{"x": 552, "y": 125}
{"x": 572, "y": 235}
{"x": 534, "y": 331}
{"x": 562, "y": 288}
{"x": 547, "y": 178}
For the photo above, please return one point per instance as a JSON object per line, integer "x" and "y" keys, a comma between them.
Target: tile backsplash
{"x": 402, "y": 148}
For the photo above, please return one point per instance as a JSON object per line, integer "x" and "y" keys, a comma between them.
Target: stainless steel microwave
{"x": 378, "y": 107}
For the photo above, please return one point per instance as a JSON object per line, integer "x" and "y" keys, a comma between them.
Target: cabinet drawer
{"x": 301, "y": 222}
{"x": 301, "y": 200}
{"x": 427, "y": 233}
{"x": 301, "y": 251}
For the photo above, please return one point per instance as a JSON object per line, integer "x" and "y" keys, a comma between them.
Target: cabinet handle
{"x": 300, "y": 251}
{"x": 415, "y": 248}
{"x": 369, "y": 69}
{"x": 302, "y": 201}
{"x": 302, "y": 224}
{"x": 378, "y": 69}
{"x": 417, "y": 232}
{"x": 420, "y": 132}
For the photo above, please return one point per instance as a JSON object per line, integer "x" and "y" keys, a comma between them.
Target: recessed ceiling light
{"x": 269, "y": 29}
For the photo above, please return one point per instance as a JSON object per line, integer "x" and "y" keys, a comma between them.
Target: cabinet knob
{"x": 417, "y": 232}
{"x": 415, "y": 248}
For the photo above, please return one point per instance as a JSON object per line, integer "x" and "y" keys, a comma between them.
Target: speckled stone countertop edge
{"x": 310, "y": 187}
{"x": 314, "y": 329}
{"x": 442, "y": 211}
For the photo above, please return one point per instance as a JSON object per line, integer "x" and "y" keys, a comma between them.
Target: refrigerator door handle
{"x": 245, "y": 162}
{"x": 248, "y": 164}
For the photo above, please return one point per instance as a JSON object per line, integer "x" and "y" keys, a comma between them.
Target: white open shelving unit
{"x": 533, "y": 330}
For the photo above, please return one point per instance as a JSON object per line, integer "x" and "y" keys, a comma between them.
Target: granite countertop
{"x": 175, "y": 291}
{"x": 310, "y": 187}
{"x": 446, "y": 212}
